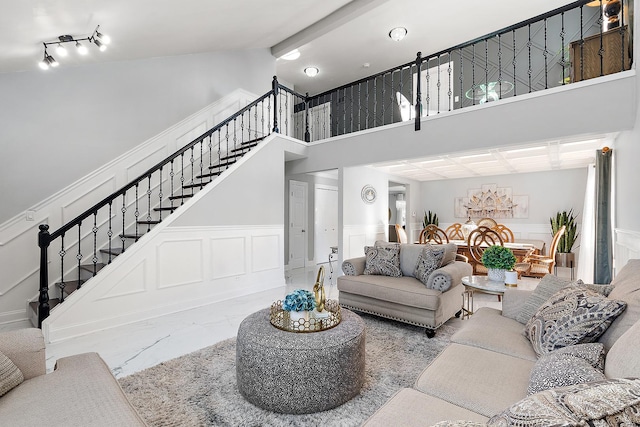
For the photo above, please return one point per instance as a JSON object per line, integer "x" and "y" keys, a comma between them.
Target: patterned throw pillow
{"x": 571, "y": 365}
{"x": 571, "y": 316}
{"x": 429, "y": 261}
{"x": 459, "y": 423}
{"x": 614, "y": 402}
{"x": 548, "y": 286}
{"x": 10, "y": 375}
{"x": 383, "y": 261}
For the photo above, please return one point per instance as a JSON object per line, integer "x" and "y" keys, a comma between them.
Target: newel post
{"x": 274, "y": 88}
{"x": 418, "y": 90}
{"x": 307, "y": 134}
{"x": 44, "y": 238}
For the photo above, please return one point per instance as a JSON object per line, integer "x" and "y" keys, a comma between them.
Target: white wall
{"x": 361, "y": 223}
{"x": 227, "y": 241}
{"x": 60, "y": 125}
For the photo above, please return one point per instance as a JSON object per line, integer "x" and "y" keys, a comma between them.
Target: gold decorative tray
{"x": 282, "y": 319}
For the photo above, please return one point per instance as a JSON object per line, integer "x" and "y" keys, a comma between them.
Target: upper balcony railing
{"x": 579, "y": 41}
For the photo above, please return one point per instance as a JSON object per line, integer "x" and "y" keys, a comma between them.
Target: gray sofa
{"x": 488, "y": 366}
{"x": 406, "y": 298}
{"x": 81, "y": 391}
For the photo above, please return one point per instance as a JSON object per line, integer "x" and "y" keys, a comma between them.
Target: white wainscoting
{"x": 627, "y": 247}
{"x": 356, "y": 237}
{"x": 19, "y": 253}
{"x": 175, "y": 269}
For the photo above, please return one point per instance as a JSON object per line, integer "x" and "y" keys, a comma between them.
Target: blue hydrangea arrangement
{"x": 299, "y": 300}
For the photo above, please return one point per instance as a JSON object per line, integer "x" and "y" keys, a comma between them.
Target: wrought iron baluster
{"x": 182, "y": 178}
{"x": 136, "y": 213}
{"x": 94, "y": 230}
{"x": 461, "y": 78}
{"x": 124, "y": 211}
{"x": 438, "y": 84}
{"x": 601, "y": 50}
{"x": 391, "y": 99}
{"x": 514, "y": 62}
{"x": 227, "y": 142}
{"x": 351, "y": 111}
{"x": 563, "y": 61}
{"x": 62, "y": 253}
{"x": 382, "y": 96}
{"x": 79, "y": 254}
{"x": 359, "y": 105}
{"x": 149, "y": 192}
{"x": 110, "y": 231}
{"x": 172, "y": 175}
{"x": 375, "y": 101}
{"x": 529, "y": 44}
{"x": 582, "y": 42}
{"x": 473, "y": 74}
{"x": 344, "y": 111}
{"x": 201, "y": 162}
{"x": 160, "y": 195}
{"x": 450, "y": 78}
{"x": 366, "y": 97}
{"x": 545, "y": 53}
{"x": 192, "y": 160}
{"x": 486, "y": 69}
{"x": 500, "y": 65}
{"x": 428, "y": 81}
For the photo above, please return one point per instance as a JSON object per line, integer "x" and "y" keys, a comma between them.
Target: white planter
{"x": 496, "y": 274}
{"x": 511, "y": 278}
{"x": 298, "y": 319}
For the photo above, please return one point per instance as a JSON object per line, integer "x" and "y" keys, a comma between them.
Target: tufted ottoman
{"x": 299, "y": 373}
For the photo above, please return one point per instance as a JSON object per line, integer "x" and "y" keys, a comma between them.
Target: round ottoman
{"x": 299, "y": 373}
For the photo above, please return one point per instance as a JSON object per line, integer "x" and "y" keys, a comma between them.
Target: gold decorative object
{"x": 281, "y": 319}
{"x": 318, "y": 290}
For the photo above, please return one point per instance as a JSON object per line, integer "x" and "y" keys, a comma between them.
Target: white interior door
{"x": 325, "y": 221}
{"x": 297, "y": 224}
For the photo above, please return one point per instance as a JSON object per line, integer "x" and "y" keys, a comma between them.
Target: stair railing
{"x": 566, "y": 45}
{"x": 104, "y": 229}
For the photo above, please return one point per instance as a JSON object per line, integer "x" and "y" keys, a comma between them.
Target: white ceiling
{"x": 337, "y": 36}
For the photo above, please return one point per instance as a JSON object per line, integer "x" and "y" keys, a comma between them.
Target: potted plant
{"x": 498, "y": 259}
{"x": 430, "y": 218}
{"x": 564, "y": 256}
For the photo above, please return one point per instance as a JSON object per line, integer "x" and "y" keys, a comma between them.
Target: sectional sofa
{"x": 81, "y": 391}
{"x": 491, "y": 373}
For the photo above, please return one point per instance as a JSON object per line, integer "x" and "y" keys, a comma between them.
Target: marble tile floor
{"x": 134, "y": 347}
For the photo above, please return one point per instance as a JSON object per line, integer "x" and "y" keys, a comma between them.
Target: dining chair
{"x": 432, "y": 234}
{"x": 479, "y": 240}
{"x": 454, "y": 231}
{"x": 402, "y": 235}
{"x": 505, "y": 232}
{"x": 487, "y": 222}
{"x": 540, "y": 265}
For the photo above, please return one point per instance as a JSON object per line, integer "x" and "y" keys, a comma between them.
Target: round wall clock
{"x": 368, "y": 194}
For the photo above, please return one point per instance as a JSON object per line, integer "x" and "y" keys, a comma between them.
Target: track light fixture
{"x": 101, "y": 40}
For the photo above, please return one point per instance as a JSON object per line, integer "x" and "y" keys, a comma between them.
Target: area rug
{"x": 199, "y": 389}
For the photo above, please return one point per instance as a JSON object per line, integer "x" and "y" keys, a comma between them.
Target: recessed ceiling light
{"x": 293, "y": 55}
{"x": 311, "y": 71}
{"x": 398, "y": 33}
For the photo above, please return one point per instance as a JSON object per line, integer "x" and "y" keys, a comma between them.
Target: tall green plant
{"x": 430, "y": 218}
{"x": 568, "y": 239}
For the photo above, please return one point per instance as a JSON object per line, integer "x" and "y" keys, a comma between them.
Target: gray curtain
{"x": 602, "y": 268}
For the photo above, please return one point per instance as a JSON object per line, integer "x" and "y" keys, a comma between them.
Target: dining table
{"x": 521, "y": 249}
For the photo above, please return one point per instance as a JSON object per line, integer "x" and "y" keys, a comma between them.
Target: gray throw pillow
{"x": 548, "y": 286}
{"x": 382, "y": 261}
{"x": 571, "y": 365}
{"x": 613, "y": 402}
{"x": 10, "y": 375}
{"x": 571, "y": 316}
{"x": 429, "y": 261}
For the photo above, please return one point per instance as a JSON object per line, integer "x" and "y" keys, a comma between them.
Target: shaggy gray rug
{"x": 199, "y": 389}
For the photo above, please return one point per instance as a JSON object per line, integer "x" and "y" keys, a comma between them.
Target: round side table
{"x": 300, "y": 373}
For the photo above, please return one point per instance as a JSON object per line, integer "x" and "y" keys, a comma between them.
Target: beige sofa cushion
{"x": 10, "y": 375}
{"x": 626, "y": 287}
{"x": 411, "y": 408}
{"x": 488, "y": 329}
{"x": 401, "y": 290}
{"x": 25, "y": 348}
{"x": 479, "y": 380}
{"x": 80, "y": 392}
{"x": 623, "y": 359}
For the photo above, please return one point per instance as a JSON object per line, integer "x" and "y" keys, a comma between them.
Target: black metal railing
{"x": 566, "y": 45}
{"x": 569, "y": 44}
